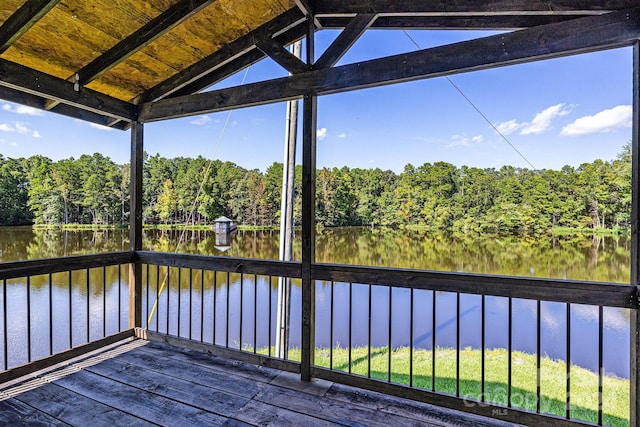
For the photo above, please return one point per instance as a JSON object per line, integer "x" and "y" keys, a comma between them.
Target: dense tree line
{"x": 95, "y": 190}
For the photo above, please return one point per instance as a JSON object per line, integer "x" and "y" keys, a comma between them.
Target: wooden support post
{"x": 309, "y": 123}
{"x": 634, "y": 378}
{"x": 135, "y": 225}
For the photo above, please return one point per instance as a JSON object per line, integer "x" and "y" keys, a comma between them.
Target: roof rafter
{"x": 345, "y": 40}
{"x": 306, "y": 8}
{"x": 282, "y": 56}
{"x": 161, "y": 24}
{"x": 468, "y": 7}
{"x": 23, "y": 19}
{"x": 231, "y": 52}
{"x": 37, "y": 83}
{"x": 581, "y": 35}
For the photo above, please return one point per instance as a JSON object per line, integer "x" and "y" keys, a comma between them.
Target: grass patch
{"x": 584, "y": 383}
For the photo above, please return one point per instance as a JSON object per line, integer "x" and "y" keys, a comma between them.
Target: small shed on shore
{"x": 223, "y": 225}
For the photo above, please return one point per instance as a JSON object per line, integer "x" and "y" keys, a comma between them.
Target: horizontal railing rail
{"x": 579, "y": 292}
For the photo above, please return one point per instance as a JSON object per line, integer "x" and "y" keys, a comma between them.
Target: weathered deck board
{"x": 141, "y": 383}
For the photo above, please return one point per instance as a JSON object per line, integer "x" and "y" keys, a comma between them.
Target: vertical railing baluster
{"x": 70, "y": 312}
{"x": 119, "y": 297}
{"x": 369, "y": 337}
{"x": 157, "y": 298}
{"x": 458, "y": 318}
{"x": 4, "y": 324}
{"x": 88, "y": 307}
{"x": 50, "y": 314}
{"x": 241, "y": 309}
{"x": 411, "y": 337}
{"x": 568, "y": 373}
{"x": 390, "y": 333}
{"x": 538, "y": 356}
{"x": 179, "y": 299}
{"x": 255, "y": 313}
{"x": 202, "y": 306}
{"x": 482, "y": 349}
{"x": 350, "y": 322}
{"x": 600, "y": 361}
{"x": 270, "y": 318}
{"x": 104, "y": 300}
{"x": 510, "y": 345}
{"x": 433, "y": 341}
{"x": 190, "y": 303}
{"x": 29, "y": 319}
{"x": 214, "y": 310}
{"x": 226, "y": 342}
{"x": 168, "y": 296}
{"x": 148, "y": 305}
{"x": 331, "y": 329}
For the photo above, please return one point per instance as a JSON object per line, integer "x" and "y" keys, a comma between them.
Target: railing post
{"x": 634, "y": 378}
{"x": 310, "y": 116}
{"x": 135, "y": 225}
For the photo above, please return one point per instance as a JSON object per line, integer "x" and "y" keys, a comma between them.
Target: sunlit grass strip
{"x": 584, "y": 383}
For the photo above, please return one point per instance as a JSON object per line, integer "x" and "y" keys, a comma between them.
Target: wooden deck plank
{"x": 206, "y": 398}
{"x": 253, "y": 372}
{"x": 224, "y": 380}
{"x": 16, "y": 413}
{"x": 264, "y": 415}
{"x": 332, "y": 410}
{"x": 422, "y": 412}
{"x": 149, "y": 406}
{"x": 72, "y": 408}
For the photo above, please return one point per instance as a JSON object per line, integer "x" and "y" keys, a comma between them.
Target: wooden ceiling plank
{"x": 481, "y": 8}
{"x": 306, "y": 8}
{"x": 37, "y": 83}
{"x": 22, "y": 20}
{"x": 581, "y": 35}
{"x": 155, "y": 28}
{"x": 282, "y": 56}
{"x": 223, "y": 56}
{"x": 240, "y": 63}
{"x": 345, "y": 40}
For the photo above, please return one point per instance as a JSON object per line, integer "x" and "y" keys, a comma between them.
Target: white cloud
{"x": 36, "y": 134}
{"x": 342, "y": 135}
{"x": 22, "y": 128}
{"x": 602, "y": 122}
{"x": 321, "y": 133}
{"x": 4, "y": 127}
{"x": 201, "y": 120}
{"x": 507, "y": 128}
{"x": 100, "y": 127}
{"x": 464, "y": 141}
{"x": 542, "y": 121}
{"x": 22, "y": 109}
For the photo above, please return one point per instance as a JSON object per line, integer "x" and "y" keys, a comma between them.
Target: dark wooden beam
{"x": 491, "y": 22}
{"x": 282, "y": 56}
{"x": 582, "y": 35}
{"x": 18, "y": 77}
{"x": 470, "y": 7}
{"x": 161, "y": 24}
{"x": 306, "y": 8}
{"x": 222, "y": 57}
{"x": 23, "y": 19}
{"x": 345, "y": 40}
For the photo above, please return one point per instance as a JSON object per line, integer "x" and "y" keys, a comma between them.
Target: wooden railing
{"x": 227, "y": 306}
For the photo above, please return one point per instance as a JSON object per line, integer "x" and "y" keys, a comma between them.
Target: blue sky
{"x": 562, "y": 111}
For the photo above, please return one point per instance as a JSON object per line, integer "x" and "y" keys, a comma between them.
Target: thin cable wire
{"x": 475, "y": 107}
{"x": 194, "y": 204}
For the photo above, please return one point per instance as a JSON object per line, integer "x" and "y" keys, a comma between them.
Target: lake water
{"x": 569, "y": 257}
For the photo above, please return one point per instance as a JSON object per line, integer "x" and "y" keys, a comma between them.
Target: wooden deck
{"x": 142, "y": 383}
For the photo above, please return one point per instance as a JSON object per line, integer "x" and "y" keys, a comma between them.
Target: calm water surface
{"x": 603, "y": 259}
